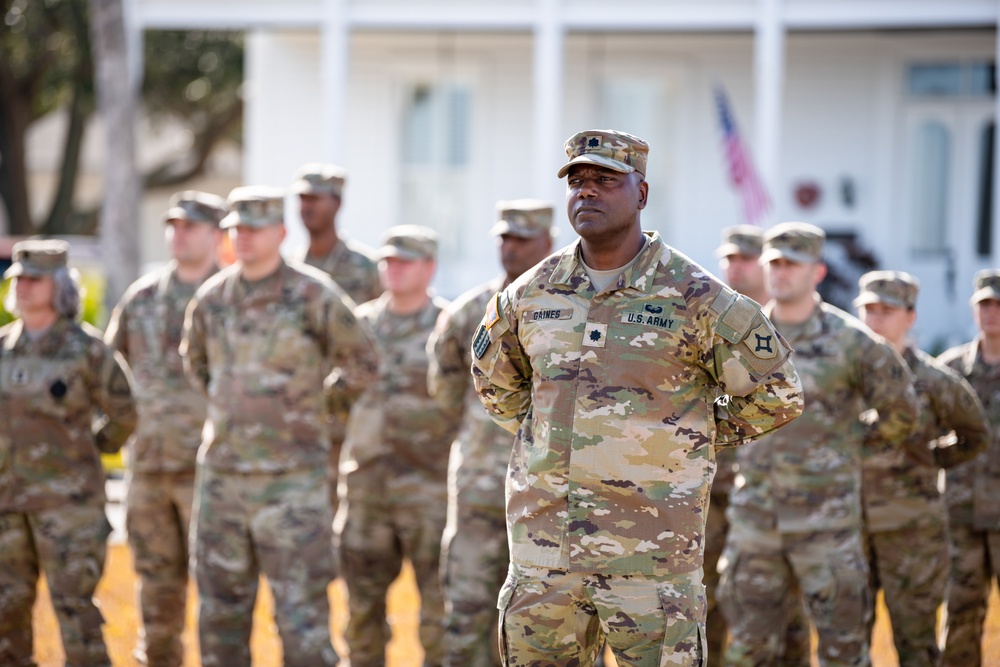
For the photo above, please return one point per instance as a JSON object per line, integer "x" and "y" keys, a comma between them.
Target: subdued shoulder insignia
{"x": 492, "y": 312}
{"x": 481, "y": 342}
{"x": 761, "y": 342}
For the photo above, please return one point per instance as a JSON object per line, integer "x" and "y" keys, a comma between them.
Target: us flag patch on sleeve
{"x": 492, "y": 312}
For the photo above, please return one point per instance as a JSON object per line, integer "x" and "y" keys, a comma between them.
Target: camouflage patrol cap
{"x": 526, "y": 218}
{"x": 409, "y": 242}
{"x": 741, "y": 240}
{"x": 38, "y": 257}
{"x": 987, "y": 286}
{"x": 611, "y": 149}
{"x": 795, "y": 241}
{"x": 255, "y": 206}
{"x": 196, "y": 206}
{"x": 317, "y": 178}
{"x": 893, "y": 288}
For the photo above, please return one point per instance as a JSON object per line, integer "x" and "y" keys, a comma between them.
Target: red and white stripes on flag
{"x": 754, "y": 199}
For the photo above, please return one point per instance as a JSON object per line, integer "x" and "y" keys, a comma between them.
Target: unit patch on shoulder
{"x": 481, "y": 342}
{"x": 761, "y": 343}
{"x": 492, "y": 312}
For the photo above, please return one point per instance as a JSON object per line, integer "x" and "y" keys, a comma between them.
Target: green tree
{"x": 46, "y": 65}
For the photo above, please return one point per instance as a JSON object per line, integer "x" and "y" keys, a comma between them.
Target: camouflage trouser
{"x": 389, "y": 517}
{"x": 562, "y": 619}
{"x": 69, "y": 544}
{"x": 911, "y": 567}
{"x": 975, "y": 564}
{"x": 474, "y": 560}
{"x": 275, "y": 523}
{"x": 796, "y": 649}
{"x": 157, "y": 519}
{"x": 758, "y": 595}
{"x": 716, "y": 528}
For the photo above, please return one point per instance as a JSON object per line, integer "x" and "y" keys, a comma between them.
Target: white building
{"x": 871, "y": 118}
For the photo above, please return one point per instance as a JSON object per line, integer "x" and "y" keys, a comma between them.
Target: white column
{"x": 334, "y": 74}
{"x": 769, "y": 79}
{"x": 548, "y": 94}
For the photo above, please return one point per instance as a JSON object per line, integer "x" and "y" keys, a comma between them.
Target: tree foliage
{"x": 46, "y": 65}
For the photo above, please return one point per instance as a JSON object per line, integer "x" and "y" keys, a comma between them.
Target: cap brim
{"x": 985, "y": 293}
{"x": 399, "y": 253}
{"x": 868, "y": 298}
{"x": 506, "y": 227}
{"x": 18, "y": 269}
{"x": 729, "y": 249}
{"x": 234, "y": 220}
{"x": 771, "y": 254}
{"x": 600, "y": 161}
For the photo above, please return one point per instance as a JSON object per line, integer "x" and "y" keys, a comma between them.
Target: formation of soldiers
{"x": 312, "y": 418}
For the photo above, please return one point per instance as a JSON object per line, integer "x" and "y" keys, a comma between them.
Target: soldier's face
{"x": 743, "y": 273}
{"x": 791, "y": 282}
{"x": 257, "y": 245}
{"x": 406, "y": 276}
{"x": 602, "y": 204}
{"x": 987, "y": 316}
{"x": 191, "y": 242}
{"x": 318, "y": 211}
{"x": 34, "y": 293}
{"x": 890, "y": 322}
{"x": 518, "y": 254}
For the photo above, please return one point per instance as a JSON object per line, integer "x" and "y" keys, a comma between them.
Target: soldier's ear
{"x": 819, "y": 273}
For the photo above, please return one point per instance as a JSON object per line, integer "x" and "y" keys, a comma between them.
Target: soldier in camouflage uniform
{"x": 972, "y": 491}
{"x": 259, "y": 338}
{"x": 906, "y": 530}
{"x": 795, "y": 512}
{"x": 393, "y": 472}
{"x": 619, "y": 363}
{"x": 474, "y": 553}
{"x": 146, "y": 328}
{"x": 320, "y": 188}
{"x": 739, "y": 259}
{"x": 56, "y": 376}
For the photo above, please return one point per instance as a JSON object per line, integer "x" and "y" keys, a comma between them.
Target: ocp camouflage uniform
{"x": 51, "y": 482}
{"x": 905, "y": 520}
{"x": 972, "y": 494}
{"x": 613, "y": 399}
{"x": 796, "y": 518}
{"x": 262, "y": 350}
{"x": 146, "y": 328}
{"x": 474, "y": 553}
{"x": 393, "y": 484}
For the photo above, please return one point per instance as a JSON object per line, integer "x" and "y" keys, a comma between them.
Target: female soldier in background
{"x": 55, "y": 374}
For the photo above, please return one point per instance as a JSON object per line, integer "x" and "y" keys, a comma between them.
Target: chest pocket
{"x": 46, "y": 387}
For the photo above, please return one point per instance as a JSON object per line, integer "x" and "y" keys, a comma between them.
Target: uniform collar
{"x": 569, "y": 269}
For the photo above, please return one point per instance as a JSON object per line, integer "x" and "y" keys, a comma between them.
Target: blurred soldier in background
{"x": 320, "y": 188}
{"x": 905, "y": 521}
{"x": 56, "y": 377}
{"x": 795, "y": 511}
{"x": 739, "y": 259}
{"x": 474, "y": 553}
{"x": 146, "y": 328}
{"x": 260, "y": 337}
{"x": 393, "y": 472}
{"x": 972, "y": 492}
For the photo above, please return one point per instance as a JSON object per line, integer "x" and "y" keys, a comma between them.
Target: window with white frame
{"x": 435, "y": 160}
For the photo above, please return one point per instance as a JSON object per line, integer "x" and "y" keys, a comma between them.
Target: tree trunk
{"x": 116, "y": 103}
{"x": 15, "y": 117}
{"x": 62, "y": 203}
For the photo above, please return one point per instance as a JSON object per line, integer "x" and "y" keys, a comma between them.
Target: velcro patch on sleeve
{"x": 735, "y": 321}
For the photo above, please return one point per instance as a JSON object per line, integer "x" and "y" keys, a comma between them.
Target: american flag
{"x": 753, "y": 194}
